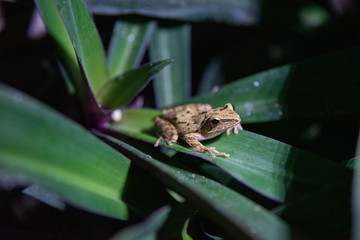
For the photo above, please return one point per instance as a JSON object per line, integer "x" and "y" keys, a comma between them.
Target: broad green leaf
{"x": 86, "y": 41}
{"x": 123, "y": 88}
{"x": 355, "y": 232}
{"x": 326, "y": 85}
{"x": 68, "y": 58}
{"x": 172, "y": 85}
{"x": 146, "y": 230}
{"x": 273, "y": 168}
{"x": 60, "y": 155}
{"x": 227, "y": 11}
{"x": 128, "y": 45}
{"x": 236, "y": 214}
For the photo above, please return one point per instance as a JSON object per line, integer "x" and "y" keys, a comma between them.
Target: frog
{"x": 196, "y": 122}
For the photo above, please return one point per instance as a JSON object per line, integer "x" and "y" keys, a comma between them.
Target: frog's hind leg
{"x": 166, "y": 131}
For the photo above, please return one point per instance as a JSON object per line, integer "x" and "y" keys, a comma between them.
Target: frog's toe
{"x": 158, "y": 141}
{"x": 162, "y": 139}
{"x": 169, "y": 142}
{"x": 235, "y": 129}
{"x": 212, "y": 149}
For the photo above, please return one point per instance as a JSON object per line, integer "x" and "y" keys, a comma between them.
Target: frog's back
{"x": 188, "y": 109}
{"x": 186, "y": 118}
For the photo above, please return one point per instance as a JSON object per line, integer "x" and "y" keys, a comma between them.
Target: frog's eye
{"x": 228, "y": 105}
{"x": 215, "y": 121}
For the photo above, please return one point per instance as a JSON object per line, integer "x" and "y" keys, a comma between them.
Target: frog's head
{"x": 221, "y": 119}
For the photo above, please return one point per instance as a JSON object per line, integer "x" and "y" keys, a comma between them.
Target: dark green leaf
{"x": 146, "y": 230}
{"x": 236, "y": 214}
{"x": 327, "y": 85}
{"x": 60, "y": 155}
{"x": 173, "y": 84}
{"x": 123, "y": 88}
{"x": 127, "y": 46}
{"x": 227, "y": 11}
{"x": 275, "y": 169}
{"x": 86, "y": 41}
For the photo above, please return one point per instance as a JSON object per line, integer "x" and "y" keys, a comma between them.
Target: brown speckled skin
{"x": 196, "y": 122}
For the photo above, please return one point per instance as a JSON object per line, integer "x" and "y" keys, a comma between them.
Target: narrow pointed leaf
{"x": 60, "y": 155}
{"x": 173, "y": 84}
{"x": 229, "y": 11}
{"x": 128, "y": 45}
{"x": 239, "y": 216}
{"x": 273, "y": 168}
{"x": 86, "y": 41}
{"x": 123, "y": 88}
{"x": 326, "y": 85}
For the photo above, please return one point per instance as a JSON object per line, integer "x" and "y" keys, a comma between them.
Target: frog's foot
{"x": 210, "y": 150}
{"x": 161, "y": 139}
{"x": 235, "y": 129}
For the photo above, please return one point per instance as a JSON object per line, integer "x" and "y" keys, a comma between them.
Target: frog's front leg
{"x": 235, "y": 129}
{"x": 166, "y": 131}
{"x": 197, "y": 146}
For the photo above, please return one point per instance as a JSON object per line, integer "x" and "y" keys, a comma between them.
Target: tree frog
{"x": 196, "y": 122}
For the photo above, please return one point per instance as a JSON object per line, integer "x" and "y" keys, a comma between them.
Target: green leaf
{"x": 86, "y": 41}
{"x": 228, "y": 11}
{"x": 60, "y": 155}
{"x": 146, "y": 230}
{"x": 239, "y": 216}
{"x": 273, "y": 168}
{"x": 326, "y": 85}
{"x": 123, "y": 88}
{"x": 173, "y": 84}
{"x": 128, "y": 45}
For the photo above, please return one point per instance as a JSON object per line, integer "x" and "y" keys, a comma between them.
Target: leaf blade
{"x": 238, "y": 215}
{"x": 36, "y": 142}
{"x": 127, "y": 46}
{"x": 173, "y": 84}
{"x": 274, "y": 169}
{"x": 326, "y": 85}
{"x": 86, "y": 41}
{"x": 146, "y": 229}
{"x": 123, "y": 88}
